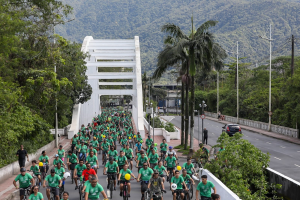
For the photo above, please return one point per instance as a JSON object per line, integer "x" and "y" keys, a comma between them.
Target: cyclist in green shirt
{"x": 163, "y": 147}
{"x": 113, "y": 153}
{"x": 160, "y": 168}
{"x": 58, "y": 160}
{"x": 110, "y": 141}
{"x": 178, "y": 180}
{"x": 24, "y": 181}
{"x": 36, "y": 170}
{"x": 91, "y": 149}
{"x": 141, "y": 160}
{"x": 122, "y": 179}
{"x": 59, "y": 171}
{"x": 149, "y": 142}
{"x": 94, "y": 189}
{"x": 45, "y": 159}
{"x": 205, "y": 187}
{"x": 189, "y": 167}
{"x": 93, "y": 160}
{"x": 54, "y": 182}
{"x": 121, "y": 160}
{"x": 35, "y": 194}
{"x": 150, "y": 149}
{"x": 61, "y": 152}
{"x": 170, "y": 162}
{"x": 104, "y": 147}
{"x": 129, "y": 155}
{"x": 112, "y": 169}
{"x": 77, "y": 147}
{"x": 189, "y": 182}
{"x": 153, "y": 158}
{"x": 83, "y": 151}
{"x": 72, "y": 160}
{"x": 78, "y": 172}
{"x": 145, "y": 174}
{"x": 74, "y": 142}
{"x": 124, "y": 141}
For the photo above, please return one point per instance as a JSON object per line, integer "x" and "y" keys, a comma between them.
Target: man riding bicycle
{"x": 93, "y": 160}
{"x": 105, "y": 148}
{"x": 129, "y": 155}
{"x": 171, "y": 163}
{"x": 78, "y": 172}
{"x": 156, "y": 186}
{"x": 145, "y": 174}
{"x": 24, "y": 181}
{"x": 163, "y": 147}
{"x": 178, "y": 180}
{"x": 88, "y": 171}
{"x": 189, "y": 167}
{"x": 122, "y": 179}
{"x": 121, "y": 160}
{"x": 149, "y": 142}
{"x": 187, "y": 179}
{"x": 93, "y": 190}
{"x": 72, "y": 160}
{"x": 171, "y": 151}
{"x": 54, "y": 182}
{"x": 112, "y": 168}
{"x": 113, "y": 153}
{"x": 153, "y": 158}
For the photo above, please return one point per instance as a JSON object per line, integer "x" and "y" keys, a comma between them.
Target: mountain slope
{"x": 241, "y": 20}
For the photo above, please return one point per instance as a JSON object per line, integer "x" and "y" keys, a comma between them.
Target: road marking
{"x": 246, "y": 135}
{"x": 277, "y": 158}
{"x": 212, "y": 133}
{"x": 297, "y": 165}
{"x": 298, "y": 151}
{"x": 269, "y": 143}
{"x": 282, "y": 146}
{"x": 256, "y": 139}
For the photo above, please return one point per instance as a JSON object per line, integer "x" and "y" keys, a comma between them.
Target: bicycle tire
{"x": 72, "y": 172}
{"x": 111, "y": 185}
{"x": 80, "y": 194}
{"x": 191, "y": 192}
{"x": 125, "y": 193}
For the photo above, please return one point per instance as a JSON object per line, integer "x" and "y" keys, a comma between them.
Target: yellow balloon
{"x": 41, "y": 164}
{"x": 104, "y": 136}
{"x": 127, "y": 177}
{"x": 107, "y": 128}
{"x": 134, "y": 136}
{"x": 178, "y": 168}
{"x": 129, "y": 138}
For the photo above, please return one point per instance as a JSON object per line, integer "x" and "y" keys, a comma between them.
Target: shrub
{"x": 170, "y": 127}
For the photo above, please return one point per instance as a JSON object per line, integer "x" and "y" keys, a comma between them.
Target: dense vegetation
{"x": 241, "y": 20}
{"x": 29, "y": 87}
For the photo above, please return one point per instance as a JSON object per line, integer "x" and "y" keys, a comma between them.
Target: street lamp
{"x": 270, "y": 73}
{"x": 153, "y": 122}
{"x": 203, "y": 105}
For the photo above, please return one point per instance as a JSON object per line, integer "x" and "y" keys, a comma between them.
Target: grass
{"x": 182, "y": 150}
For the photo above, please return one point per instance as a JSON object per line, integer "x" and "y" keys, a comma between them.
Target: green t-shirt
{"x": 60, "y": 153}
{"x": 160, "y": 169}
{"x": 188, "y": 167}
{"x": 53, "y": 181}
{"x": 111, "y": 168}
{"x": 24, "y": 180}
{"x": 178, "y": 181}
{"x": 74, "y": 141}
{"x": 83, "y": 149}
{"x": 35, "y": 169}
{"x": 80, "y": 169}
{"x": 38, "y": 196}
{"x": 142, "y": 160}
{"x": 57, "y": 161}
{"x": 146, "y": 174}
{"x": 149, "y": 150}
{"x": 153, "y": 158}
{"x": 105, "y": 146}
{"x": 121, "y": 160}
{"x": 170, "y": 162}
{"x": 78, "y": 146}
{"x": 60, "y": 172}
{"x": 41, "y": 158}
{"x": 123, "y": 141}
{"x": 92, "y": 160}
{"x": 87, "y": 183}
{"x": 94, "y": 150}
{"x": 163, "y": 146}
{"x": 94, "y": 192}
{"x": 128, "y": 153}
{"x": 123, "y": 173}
{"x": 205, "y": 190}
{"x": 113, "y": 153}
{"x": 110, "y": 141}
{"x": 149, "y": 142}
{"x": 72, "y": 158}
{"x": 114, "y": 137}
{"x": 186, "y": 178}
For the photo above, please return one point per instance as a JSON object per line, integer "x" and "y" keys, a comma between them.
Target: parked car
{"x": 231, "y": 129}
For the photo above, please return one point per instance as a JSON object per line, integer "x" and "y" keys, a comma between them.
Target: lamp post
{"x": 152, "y": 121}
{"x": 203, "y": 105}
{"x": 270, "y": 75}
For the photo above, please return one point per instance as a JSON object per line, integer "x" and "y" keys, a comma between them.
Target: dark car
{"x": 231, "y": 129}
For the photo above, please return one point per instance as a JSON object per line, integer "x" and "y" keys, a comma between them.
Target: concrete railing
{"x": 259, "y": 125}
{"x": 290, "y": 188}
{"x": 222, "y": 189}
{"x": 75, "y": 121}
{"x": 157, "y": 131}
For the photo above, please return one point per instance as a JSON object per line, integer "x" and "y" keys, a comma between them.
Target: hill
{"x": 242, "y": 20}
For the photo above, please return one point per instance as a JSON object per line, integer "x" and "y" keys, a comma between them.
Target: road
{"x": 135, "y": 186}
{"x": 284, "y": 156}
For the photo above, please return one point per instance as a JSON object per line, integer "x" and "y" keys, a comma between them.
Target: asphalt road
{"x": 135, "y": 186}
{"x": 284, "y": 156}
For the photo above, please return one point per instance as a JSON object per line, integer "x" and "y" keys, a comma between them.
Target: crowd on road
{"x": 109, "y": 131}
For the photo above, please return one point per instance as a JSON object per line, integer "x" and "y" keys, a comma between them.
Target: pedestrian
{"x": 22, "y": 153}
{"x": 205, "y": 136}
{"x": 219, "y": 115}
{"x": 204, "y": 187}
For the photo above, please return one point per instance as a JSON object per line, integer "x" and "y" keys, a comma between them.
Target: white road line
{"x": 298, "y": 151}
{"x": 256, "y": 139}
{"x": 269, "y": 143}
{"x": 297, "y": 165}
{"x": 282, "y": 146}
{"x": 212, "y": 133}
{"x": 246, "y": 135}
{"x": 277, "y": 158}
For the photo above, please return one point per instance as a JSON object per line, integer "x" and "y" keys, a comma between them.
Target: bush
{"x": 157, "y": 123}
{"x": 170, "y": 127}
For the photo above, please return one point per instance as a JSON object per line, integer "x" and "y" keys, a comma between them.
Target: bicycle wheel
{"x": 72, "y": 173}
{"x": 125, "y": 193}
{"x": 111, "y": 185}
{"x": 191, "y": 191}
{"x": 80, "y": 194}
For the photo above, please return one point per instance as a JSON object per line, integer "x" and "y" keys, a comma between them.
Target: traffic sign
{"x": 202, "y": 116}
{"x": 270, "y": 113}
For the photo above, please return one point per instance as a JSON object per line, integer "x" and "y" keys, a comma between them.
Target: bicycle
{"x": 27, "y": 192}
{"x": 80, "y": 187}
{"x": 154, "y": 196}
{"x": 169, "y": 178}
{"x": 190, "y": 192}
{"x": 52, "y": 195}
{"x": 110, "y": 183}
{"x": 162, "y": 156}
{"x": 104, "y": 158}
{"x": 125, "y": 190}
{"x": 177, "y": 195}
{"x": 131, "y": 143}
{"x": 72, "y": 171}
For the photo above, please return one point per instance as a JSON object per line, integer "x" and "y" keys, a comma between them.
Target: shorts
{"x": 152, "y": 165}
{"x": 112, "y": 177}
{"x": 144, "y": 186}
{"x": 22, "y": 163}
{"x": 179, "y": 191}
{"x": 164, "y": 152}
{"x": 162, "y": 175}
{"x": 54, "y": 190}
{"x": 128, "y": 158}
{"x": 123, "y": 181}
{"x": 72, "y": 166}
{"x": 104, "y": 152}
{"x": 170, "y": 169}
{"x": 205, "y": 198}
{"x": 23, "y": 190}
{"x": 121, "y": 167}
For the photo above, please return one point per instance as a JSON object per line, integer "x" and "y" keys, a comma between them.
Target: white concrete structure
{"x": 121, "y": 54}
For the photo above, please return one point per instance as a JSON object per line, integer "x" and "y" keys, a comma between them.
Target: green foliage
{"x": 241, "y": 167}
{"x": 170, "y": 127}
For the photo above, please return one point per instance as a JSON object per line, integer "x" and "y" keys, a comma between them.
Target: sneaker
{"x": 76, "y": 187}
{"x": 121, "y": 192}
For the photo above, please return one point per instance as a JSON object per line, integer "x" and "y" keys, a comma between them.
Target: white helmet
{"x": 66, "y": 175}
{"x": 174, "y": 186}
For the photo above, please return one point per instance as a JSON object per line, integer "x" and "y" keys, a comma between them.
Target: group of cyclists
{"x": 101, "y": 136}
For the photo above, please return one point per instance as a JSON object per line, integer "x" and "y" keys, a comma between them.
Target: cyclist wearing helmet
{"x": 24, "y": 181}
{"x": 112, "y": 168}
{"x": 54, "y": 182}
{"x": 171, "y": 151}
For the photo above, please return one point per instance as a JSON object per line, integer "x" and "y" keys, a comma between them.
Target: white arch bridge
{"x": 110, "y": 62}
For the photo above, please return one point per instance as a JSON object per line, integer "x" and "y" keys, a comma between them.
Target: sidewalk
{"x": 7, "y": 189}
{"x": 263, "y": 132}
{"x": 158, "y": 139}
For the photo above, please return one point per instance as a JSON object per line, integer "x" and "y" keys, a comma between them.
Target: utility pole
{"x": 237, "y": 81}
{"x": 293, "y": 51}
{"x": 217, "y": 92}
